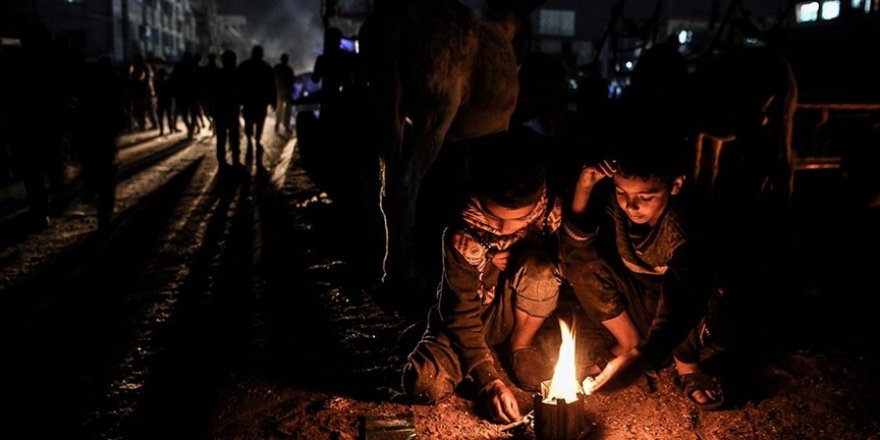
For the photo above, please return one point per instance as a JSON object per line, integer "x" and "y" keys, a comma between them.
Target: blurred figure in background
{"x": 227, "y": 104}
{"x": 98, "y": 121}
{"x": 257, "y": 92}
{"x": 284, "y": 79}
{"x": 140, "y": 86}
{"x": 210, "y": 77}
{"x": 37, "y": 96}
{"x": 164, "y": 96}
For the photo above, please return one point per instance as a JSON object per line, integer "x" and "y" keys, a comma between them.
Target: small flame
{"x": 564, "y": 384}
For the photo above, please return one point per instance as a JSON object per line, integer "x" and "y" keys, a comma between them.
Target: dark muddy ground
{"x": 796, "y": 351}
{"x": 229, "y": 306}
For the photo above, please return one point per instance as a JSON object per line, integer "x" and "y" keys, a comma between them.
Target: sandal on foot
{"x": 699, "y": 381}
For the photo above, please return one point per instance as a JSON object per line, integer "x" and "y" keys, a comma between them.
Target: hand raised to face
{"x": 592, "y": 174}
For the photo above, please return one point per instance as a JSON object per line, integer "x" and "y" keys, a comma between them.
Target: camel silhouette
{"x": 437, "y": 72}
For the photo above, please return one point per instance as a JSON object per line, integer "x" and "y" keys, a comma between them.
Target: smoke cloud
{"x": 284, "y": 26}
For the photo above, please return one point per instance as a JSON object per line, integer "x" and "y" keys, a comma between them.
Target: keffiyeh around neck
{"x": 474, "y": 215}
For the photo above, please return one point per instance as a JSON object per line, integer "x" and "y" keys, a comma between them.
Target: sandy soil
{"x": 232, "y": 307}
{"x": 789, "y": 370}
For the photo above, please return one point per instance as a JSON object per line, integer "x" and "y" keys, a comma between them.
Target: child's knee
{"x": 537, "y": 284}
{"x": 431, "y": 373}
{"x": 425, "y": 385}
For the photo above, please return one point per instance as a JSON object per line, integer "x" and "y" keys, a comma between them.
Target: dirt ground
{"x": 232, "y": 306}
{"x": 810, "y": 399}
{"x": 794, "y": 366}
{"x": 798, "y": 395}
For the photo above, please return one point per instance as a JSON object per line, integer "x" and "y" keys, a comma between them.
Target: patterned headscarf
{"x": 481, "y": 239}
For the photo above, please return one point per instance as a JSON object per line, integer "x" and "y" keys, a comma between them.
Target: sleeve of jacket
{"x": 461, "y": 305}
{"x": 683, "y": 298}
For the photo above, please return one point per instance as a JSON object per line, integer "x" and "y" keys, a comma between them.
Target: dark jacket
{"x": 468, "y": 288}
{"x": 226, "y": 95}
{"x": 257, "y": 84}
{"x": 666, "y": 262}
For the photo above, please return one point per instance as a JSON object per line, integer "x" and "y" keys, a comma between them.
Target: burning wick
{"x": 564, "y": 384}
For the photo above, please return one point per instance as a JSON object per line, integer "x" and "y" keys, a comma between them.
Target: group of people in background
{"x": 160, "y": 93}
{"x": 214, "y": 96}
{"x": 89, "y": 103}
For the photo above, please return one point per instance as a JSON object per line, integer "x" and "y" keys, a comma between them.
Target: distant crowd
{"x": 62, "y": 109}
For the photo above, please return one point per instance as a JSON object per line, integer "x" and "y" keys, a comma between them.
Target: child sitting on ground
{"x": 637, "y": 266}
{"x": 501, "y": 277}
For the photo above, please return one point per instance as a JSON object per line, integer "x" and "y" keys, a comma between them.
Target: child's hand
{"x": 592, "y": 174}
{"x": 501, "y": 402}
{"x": 619, "y": 368}
{"x": 499, "y": 259}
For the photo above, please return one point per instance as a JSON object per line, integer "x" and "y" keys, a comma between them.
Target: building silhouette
{"x": 122, "y": 28}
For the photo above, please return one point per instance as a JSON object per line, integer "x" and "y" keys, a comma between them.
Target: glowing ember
{"x": 564, "y": 384}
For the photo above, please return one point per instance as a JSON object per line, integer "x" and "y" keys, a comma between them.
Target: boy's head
{"x": 650, "y": 170}
{"x": 507, "y": 177}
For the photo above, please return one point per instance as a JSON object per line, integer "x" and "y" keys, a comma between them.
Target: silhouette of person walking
{"x": 183, "y": 77}
{"x": 284, "y": 79}
{"x": 98, "y": 120}
{"x": 140, "y": 83}
{"x": 257, "y": 91}
{"x": 227, "y": 104}
{"x": 210, "y": 77}
{"x": 164, "y": 97}
{"x": 36, "y": 147}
